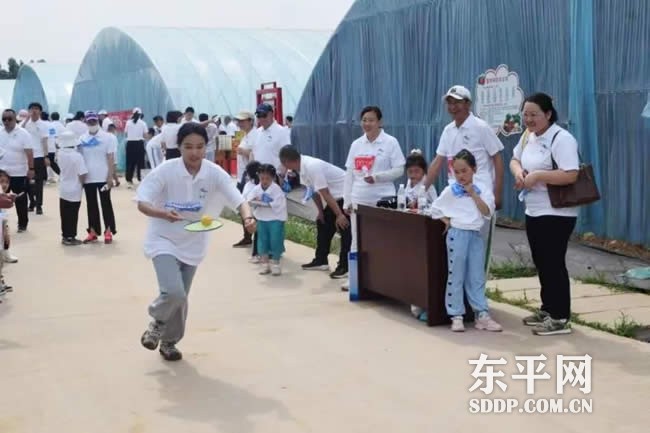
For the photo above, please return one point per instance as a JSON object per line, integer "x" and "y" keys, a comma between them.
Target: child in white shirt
{"x": 5, "y": 180}
{"x": 271, "y": 213}
{"x": 252, "y": 179}
{"x": 71, "y": 180}
{"x": 464, "y": 207}
{"x": 416, "y": 169}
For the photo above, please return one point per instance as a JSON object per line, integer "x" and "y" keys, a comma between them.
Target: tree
{"x": 13, "y": 67}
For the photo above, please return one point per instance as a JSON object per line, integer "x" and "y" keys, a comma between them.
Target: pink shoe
{"x": 485, "y": 323}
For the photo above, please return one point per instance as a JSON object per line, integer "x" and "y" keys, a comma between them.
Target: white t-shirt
{"x": 318, "y": 174}
{"x": 278, "y": 209}
{"x": 95, "y": 150}
{"x": 136, "y": 131}
{"x": 12, "y": 151}
{"x": 536, "y": 155}
{"x": 248, "y": 187}
{"x": 476, "y": 136}
{"x": 231, "y": 129}
{"x": 78, "y": 127}
{"x": 106, "y": 123}
{"x": 55, "y": 130}
{"x": 170, "y": 135}
{"x": 184, "y": 121}
{"x": 171, "y": 186}
{"x": 72, "y": 166}
{"x": 462, "y": 211}
{"x": 366, "y": 159}
{"x": 412, "y": 191}
{"x": 38, "y": 131}
{"x": 212, "y": 131}
{"x": 267, "y": 145}
{"x": 154, "y": 151}
{"x": 246, "y": 143}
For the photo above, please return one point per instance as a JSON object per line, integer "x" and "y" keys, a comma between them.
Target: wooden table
{"x": 403, "y": 256}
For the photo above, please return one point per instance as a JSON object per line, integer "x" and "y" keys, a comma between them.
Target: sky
{"x": 60, "y": 31}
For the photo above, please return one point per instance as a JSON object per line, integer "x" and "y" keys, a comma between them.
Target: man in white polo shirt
{"x": 271, "y": 137}
{"x": 246, "y": 123}
{"x": 467, "y": 131}
{"x": 324, "y": 182}
{"x": 17, "y": 159}
{"x": 39, "y": 131}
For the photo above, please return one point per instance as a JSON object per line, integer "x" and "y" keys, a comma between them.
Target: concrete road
{"x": 263, "y": 354}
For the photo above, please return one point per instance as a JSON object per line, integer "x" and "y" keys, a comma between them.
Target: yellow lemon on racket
{"x": 206, "y": 220}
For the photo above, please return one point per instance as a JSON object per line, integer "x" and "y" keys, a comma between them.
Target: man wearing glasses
{"x": 17, "y": 159}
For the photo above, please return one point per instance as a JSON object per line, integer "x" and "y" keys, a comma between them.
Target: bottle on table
{"x": 401, "y": 197}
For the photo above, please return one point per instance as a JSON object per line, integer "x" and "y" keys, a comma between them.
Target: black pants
{"x": 17, "y": 185}
{"x": 94, "y": 222}
{"x": 134, "y": 159}
{"x": 69, "y": 211}
{"x": 325, "y": 232}
{"x": 172, "y": 153}
{"x": 35, "y": 190}
{"x": 548, "y": 237}
{"x": 53, "y": 164}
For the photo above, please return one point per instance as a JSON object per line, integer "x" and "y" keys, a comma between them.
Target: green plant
{"x": 511, "y": 269}
{"x": 624, "y": 326}
{"x": 600, "y": 278}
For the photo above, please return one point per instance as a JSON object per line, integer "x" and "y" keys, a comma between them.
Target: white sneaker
{"x": 265, "y": 269}
{"x": 129, "y": 185}
{"x": 485, "y": 323}
{"x": 457, "y": 324}
{"x": 416, "y": 311}
{"x": 255, "y": 260}
{"x": 8, "y": 258}
{"x": 275, "y": 269}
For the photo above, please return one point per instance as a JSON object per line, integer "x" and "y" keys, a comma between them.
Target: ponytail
{"x": 135, "y": 117}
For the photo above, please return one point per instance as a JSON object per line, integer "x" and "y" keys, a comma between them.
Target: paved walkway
{"x": 262, "y": 354}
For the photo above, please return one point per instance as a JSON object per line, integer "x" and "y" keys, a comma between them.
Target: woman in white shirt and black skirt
{"x": 548, "y": 228}
{"x": 136, "y": 132}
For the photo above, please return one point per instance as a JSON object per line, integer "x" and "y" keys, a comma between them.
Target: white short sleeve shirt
{"x": 278, "y": 209}
{"x": 72, "y": 166}
{"x": 462, "y": 211}
{"x": 367, "y": 158}
{"x": 318, "y": 174}
{"x": 12, "y": 151}
{"x": 38, "y": 131}
{"x": 476, "y": 136}
{"x": 170, "y": 135}
{"x": 78, "y": 127}
{"x": 246, "y": 143}
{"x": 136, "y": 131}
{"x": 267, "y": 145}
{"x": 95, "y": 150}
{"x": 536, "y": 155}
{"x": 171, "y": 186}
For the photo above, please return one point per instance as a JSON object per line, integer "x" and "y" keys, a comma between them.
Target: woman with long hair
{"x": 136, "y": 132}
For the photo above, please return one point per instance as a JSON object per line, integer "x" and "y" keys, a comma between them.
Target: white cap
{"x": 22, "y": 115}
{"x": 137, "y": 110}
{"x": 102, "y": 113}
{"x": 459, "y": 93}
{"x": 69, "y": 116}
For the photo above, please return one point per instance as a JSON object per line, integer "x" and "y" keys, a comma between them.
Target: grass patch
{"x": 298, "y": 230}
{"x": 600, "y": 279}
{"x": 624, "y": 326}
{"x": 511, "y": 269}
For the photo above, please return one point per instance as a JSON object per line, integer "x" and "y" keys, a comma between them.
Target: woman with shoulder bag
{"x": 547, "y": 155}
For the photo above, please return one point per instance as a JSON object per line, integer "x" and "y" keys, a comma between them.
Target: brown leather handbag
{"x": 584, "y": 191}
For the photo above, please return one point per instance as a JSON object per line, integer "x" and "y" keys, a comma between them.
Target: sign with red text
{"x": 498, "y": 100}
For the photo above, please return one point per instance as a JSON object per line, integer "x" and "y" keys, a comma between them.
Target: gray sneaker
{"x": 552, "y": 327}
{"x": 169, "y": 352}
{"x": 151, "y": 336}
{"x": 536, "y": 319}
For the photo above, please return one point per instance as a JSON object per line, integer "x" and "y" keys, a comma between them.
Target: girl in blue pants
{"x": 464, "y": 207}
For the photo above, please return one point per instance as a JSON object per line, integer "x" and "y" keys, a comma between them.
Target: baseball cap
{"x": 137, "y": 110}
{"x": 263, "y": 109}
{"x": 90, "y": 115}
{"x": 458, "y": 92}
{"x": 102, "y": 113}
{"x": 67, "y": 139}
{"x": 244, "y": 115}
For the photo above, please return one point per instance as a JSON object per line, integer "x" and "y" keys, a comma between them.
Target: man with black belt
{"x": 324, "y": 182}
{"x": 17, "y": 159}
{"x": 39, "y": 131}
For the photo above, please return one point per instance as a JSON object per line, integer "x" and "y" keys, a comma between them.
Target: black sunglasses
{"x": 7, "y": 119}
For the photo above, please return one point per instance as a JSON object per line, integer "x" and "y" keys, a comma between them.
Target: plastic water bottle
{"x": 401, "y": 197}
{"x": 353, "y": 275}
{"x": 423, "y": 200}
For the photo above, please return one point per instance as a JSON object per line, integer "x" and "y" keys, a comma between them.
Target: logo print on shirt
{"x": 203, "y": 193}
{"x": 188, "y": 206}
